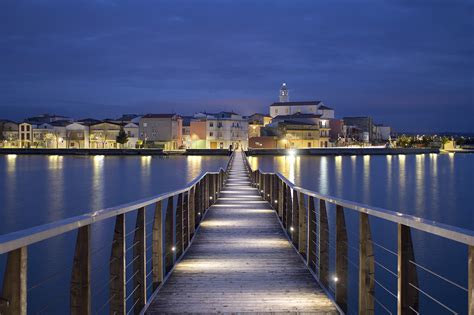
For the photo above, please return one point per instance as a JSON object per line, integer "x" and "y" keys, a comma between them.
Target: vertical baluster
{"x": 295, "y": 219}
{"x": 179, "y": 226}
{"x": 366, "y": 266}
{"x": 288, "y": 205}
{"x": 470, "y": 275}
{"x": 312, "y": 234}
{"x": 281, "y": 199}
{"x": 80, "y": 298}
{"x": 14, "y": 291}
{"x": 139, "y": 264}
{"x": 341, "y": 259}
{"x": 192, "y": 212}
{"x": 303, "y": 224}
{"x": 185, "y": 224}
{"x": 157, "y": 246}
{"x": 117, "y": 268}
{"x": 407, "y": 295}
{"x": 323, "y": 242}
{"x": 169, "y": 236}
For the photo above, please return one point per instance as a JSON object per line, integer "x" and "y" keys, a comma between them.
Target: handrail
{"x": 303, "y": 213}
{"x": 445, "y": 230}
{"x": 29, "y": 236}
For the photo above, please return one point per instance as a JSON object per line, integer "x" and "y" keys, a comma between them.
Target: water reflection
{"x": 366, "y": 178}
{"x": 56, "y": 187}
{"x": 323, "y": 172}
{"x": 339, "y": 182}
{"x": 291, "y": 159}
{"x": 420, "y": 180}
{"x": 402, "y": 179}
{"x": 389, "y": 177}
{"x": 98, "y": 182}
{"x": 11, "y": 163}
{"x": 194, "y": 167}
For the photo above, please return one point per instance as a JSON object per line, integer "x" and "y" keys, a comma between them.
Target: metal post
{"x": 14, "y": 283}
{"x": 341, "y": 277}
{"x": 303, "y": 224}
{"x": 323, "y": 241}
{"x": 157, "y": 246}
{"x": 80, "y": 298}
{"x": 366, "y": 267}
{"x": 139, "y": 264}
{"x": 117, "y": 268}
{"x": 169, "y": 235}
{"x": 407, "y": 295}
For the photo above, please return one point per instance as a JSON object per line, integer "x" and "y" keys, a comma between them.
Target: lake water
{"x": 40, "y": 189}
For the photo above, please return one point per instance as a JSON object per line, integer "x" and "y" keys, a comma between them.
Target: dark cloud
{"x": 408, "y": 63}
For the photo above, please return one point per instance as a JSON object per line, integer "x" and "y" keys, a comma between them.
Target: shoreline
{"x": 343, "y": 151}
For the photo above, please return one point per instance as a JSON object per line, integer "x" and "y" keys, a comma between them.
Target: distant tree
{"x": 122, "y": 137}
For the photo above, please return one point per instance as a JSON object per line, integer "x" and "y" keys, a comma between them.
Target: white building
{"x": 131, "y": 129}
{"x": 287, "y": 107}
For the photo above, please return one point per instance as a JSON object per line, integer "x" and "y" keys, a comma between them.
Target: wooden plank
{"x": 14, "y": 293}
{"x": 157, "y": 246}
{"x": 408, "y": 296}
{"x": 117, "y": 268}
{"x": 366, "y": 267}
{"x": 80, "y": 297}
{"x": 323, "y": 241}
{"x": 241, "y": 262}
{"x": 139, "y": 264}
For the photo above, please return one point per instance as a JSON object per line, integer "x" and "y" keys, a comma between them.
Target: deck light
{"x": 268, "y": 195}
{"x": 199, "y": 213}
{"x": 335, "y": 279}
{"x": 210, "y": 197}
{"x": 276, "y": 201}
{"x": 173, "y": 248}
{"x": 261, "y": 190}
{"x": 292, "y": 228}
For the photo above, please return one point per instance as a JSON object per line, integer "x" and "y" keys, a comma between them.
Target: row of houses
{"x": 289, "y": 124}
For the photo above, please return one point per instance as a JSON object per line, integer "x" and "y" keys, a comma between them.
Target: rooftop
{"x": 296, "y": 103}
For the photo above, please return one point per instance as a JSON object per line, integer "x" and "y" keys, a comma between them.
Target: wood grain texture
{"x": 241, "y": 262}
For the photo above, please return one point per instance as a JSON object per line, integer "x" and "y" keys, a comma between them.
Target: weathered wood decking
{"x": 241, "y": 262}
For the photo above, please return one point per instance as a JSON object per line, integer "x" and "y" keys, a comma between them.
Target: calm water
{"x": 38, "y": 189}
{"x": 431, "y": 186}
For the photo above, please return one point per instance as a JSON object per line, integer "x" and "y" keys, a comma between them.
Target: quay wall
{"x": 343, "y": 151}
{"x": 118, "y": 152}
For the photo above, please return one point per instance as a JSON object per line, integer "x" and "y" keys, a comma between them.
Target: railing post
{"x": 169, "y": 235}
{"x": 407, "y": 295}
{"x": 303, "y": 225}
{"x": 212, "y": 189}
{"x": 341, "y": 259}
{"x": 311, "y": 251}
{"x": 139, "y": 265}
{"x": 281, "y": 199}
{"x": 157, "y": 246}
{"x": 289, "y": 204}
{"x": 118, "y": 287}
{"x": 323, "y": 241}
{"x": 185, "y": 225}
{"x": 14, "y": 283}
{"x": 295, "y": 225}
{"x": 192, "y": 212}
{"x": 470, "y": 275}
{"x": 206, "y": 193}
{"x": 80, "y": 298}
{"x": 366, "y": 266}
{"x": 179, "y": 246}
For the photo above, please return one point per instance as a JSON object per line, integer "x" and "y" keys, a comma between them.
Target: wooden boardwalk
{"x": 241, "y": 262}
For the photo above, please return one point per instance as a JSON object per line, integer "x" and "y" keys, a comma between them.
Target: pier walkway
{"x": 241, "y": 261}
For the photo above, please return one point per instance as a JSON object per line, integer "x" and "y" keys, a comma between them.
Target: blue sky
{"x": 407, "y": 63}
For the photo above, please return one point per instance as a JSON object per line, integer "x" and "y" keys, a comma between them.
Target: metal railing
{"x": 304, "y": 215}
{"x": 156, "y": 246}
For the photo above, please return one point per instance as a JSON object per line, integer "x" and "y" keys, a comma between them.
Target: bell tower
{"x": 284, "y": 97}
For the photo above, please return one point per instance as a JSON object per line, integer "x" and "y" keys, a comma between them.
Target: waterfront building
{"x": 358, "y": 129}
{"x": 219, "y": 131}
{"x": 255, "y": 122}
{"x": 132, "y": 131}
{"x": 161, "y": 131}
{"x": 187, "y": 132}
{"x": 382, "y": 133}
{"x": 287, "y": 107}
{"x": 77, "y": 136}
{"x": 103, "y": 135}
{"x": 8, "y": 134}
{"x": 25, "y": 131}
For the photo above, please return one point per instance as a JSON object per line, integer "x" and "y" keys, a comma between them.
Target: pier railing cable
{"x": 304, "y": 215}
{"x": 160, "y": 243}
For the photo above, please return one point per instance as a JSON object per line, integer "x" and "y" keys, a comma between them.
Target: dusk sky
{"x": 406, "y": 63}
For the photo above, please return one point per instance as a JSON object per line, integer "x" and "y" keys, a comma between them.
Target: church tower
{"x": 284, "y": 97}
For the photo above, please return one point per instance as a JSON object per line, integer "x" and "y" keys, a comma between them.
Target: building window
{"x": 27, "y": 128}
{"x": 22, "y": 128}
{"x": 309, "y": 144}
{"x": 309, "y": 134}
{"x": 211, "y": 124}
{"x": 211, "y": 134}
{"x": 27, "y": 136}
